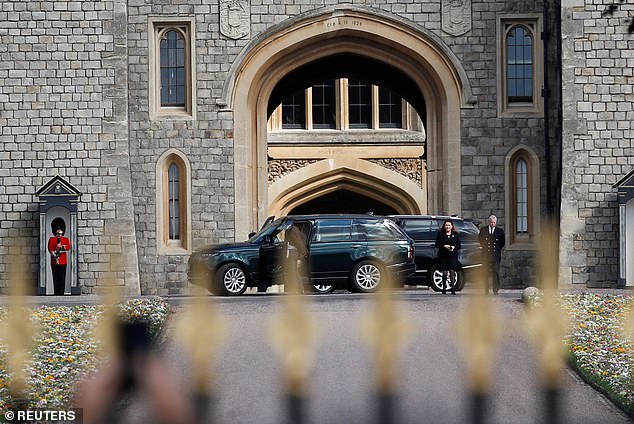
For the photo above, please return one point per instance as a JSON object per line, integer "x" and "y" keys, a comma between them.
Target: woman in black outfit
{"x": 448, "y": 244}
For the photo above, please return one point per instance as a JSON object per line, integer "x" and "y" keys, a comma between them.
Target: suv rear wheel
{"x": 434, "y": 279}
{"x": 366, "y": 277}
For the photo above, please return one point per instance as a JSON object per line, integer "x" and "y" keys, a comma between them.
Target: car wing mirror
{"x": 251, "y": 234}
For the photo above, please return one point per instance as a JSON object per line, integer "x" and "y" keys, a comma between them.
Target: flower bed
{"x": 65, "y": 348}
{"x": 597, "y": 348}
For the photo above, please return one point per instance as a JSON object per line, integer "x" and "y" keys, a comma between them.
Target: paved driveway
{"x": 432, "y": 382}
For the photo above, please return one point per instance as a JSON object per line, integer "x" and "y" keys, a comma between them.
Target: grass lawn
{"x": 65, "y": 348}
{"x": 597, "y": 347}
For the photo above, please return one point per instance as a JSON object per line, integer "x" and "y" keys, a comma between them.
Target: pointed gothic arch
{"x": 166, "y": 243}
{"x": 355, "y": 175}
{"x": 267, "y": 59}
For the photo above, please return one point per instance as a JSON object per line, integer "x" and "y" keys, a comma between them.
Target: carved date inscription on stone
{"x": 235, "y": 18}
{"x": 280, "y": 167}
{"x": 456, "y": 16}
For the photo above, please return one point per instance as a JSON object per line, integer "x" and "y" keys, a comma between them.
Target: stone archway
{"x": 356, "y": 175}
{"x": 386, "y": 38}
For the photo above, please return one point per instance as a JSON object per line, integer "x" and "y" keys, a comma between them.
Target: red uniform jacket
{"x": 52, "y": 248}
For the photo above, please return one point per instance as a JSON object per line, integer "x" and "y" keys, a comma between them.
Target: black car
{"x": 344, "y": 251}
{"x": 423, "y": 230}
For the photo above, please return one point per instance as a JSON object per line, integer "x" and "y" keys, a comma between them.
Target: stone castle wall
{"x": 75, "y": 101}
{"x": 63, "y": 110}
{"x": 598, "y": 137}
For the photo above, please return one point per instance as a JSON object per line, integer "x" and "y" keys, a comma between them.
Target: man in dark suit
{"x": 492, "y": 241}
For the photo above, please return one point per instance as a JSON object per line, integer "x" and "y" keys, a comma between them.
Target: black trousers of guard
{"x": 59, "y": 279}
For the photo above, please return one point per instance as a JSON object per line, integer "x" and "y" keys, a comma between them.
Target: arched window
{"x": 519, "y": 65}
{"x": 172, "y": 64}
{"x": 173, "y": 211}
{"x": 522, "y": 194}
{"x": 173, "y": 202}
{"x": 172, "y": 76}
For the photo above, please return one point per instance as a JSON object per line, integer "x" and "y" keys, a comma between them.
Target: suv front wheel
{"x": 366, "y": 277}
{"x": 231, "y": 280}
{"x": 434, "y": 279}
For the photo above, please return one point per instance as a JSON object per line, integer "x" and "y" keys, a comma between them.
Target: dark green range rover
{"x": 355, "y": 252}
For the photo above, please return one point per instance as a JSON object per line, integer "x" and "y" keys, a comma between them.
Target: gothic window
{"x": 520, "y": 68}
{"x": 172, "y": 65}
{"x": 173, "y": 188}
{"x": 522, "y": 171}
{"x": 173, "y": 207}
{"x": 519, "y": 65}
{"x": 172, "y": 71}
{"x": 521, "y": 196}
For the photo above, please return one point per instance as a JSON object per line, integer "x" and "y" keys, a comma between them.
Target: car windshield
{"x": 267, "y": 230}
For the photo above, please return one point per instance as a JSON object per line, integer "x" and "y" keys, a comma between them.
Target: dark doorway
{"x": 343, "y": 201}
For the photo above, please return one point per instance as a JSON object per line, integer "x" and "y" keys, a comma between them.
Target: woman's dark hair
{"x": 453, "y": 227}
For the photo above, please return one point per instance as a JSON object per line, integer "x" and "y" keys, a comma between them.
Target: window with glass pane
{"x": 359, "y": 104}
{"x": 172, "y": 53}
{"x": 390, "y": 109}
{"x": 324, "y": 105}
{"x": 519, "y": 65}
{"x": 173, "y": 202}
{"x": 421, "y": 228}
{"x": 333, "y": 230}
{"x": 378, "y": 230}
{"x": 294, "y": 111}
{"x": 521, "y": 196}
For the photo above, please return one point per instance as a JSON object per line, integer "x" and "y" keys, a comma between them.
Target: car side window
{"x": 304, "y": 228}
{"x": 439, "y": 223}
{"x": 332, "y": 230}
{"x": 358, "y": 232}
{"x": 377, "y": 230}
{"x": 467, "y": 230}
{"x": 421, "y": 229}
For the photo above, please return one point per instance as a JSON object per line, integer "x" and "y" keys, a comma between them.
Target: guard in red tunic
{"x": 58, "y": 245}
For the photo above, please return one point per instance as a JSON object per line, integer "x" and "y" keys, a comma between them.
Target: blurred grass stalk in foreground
{"x": 547, "y": 323}
{"x": 384, "y": 329}
{"x": 18, "y": 331}
{"x": 479, "y": 333}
